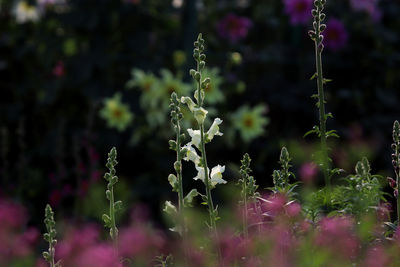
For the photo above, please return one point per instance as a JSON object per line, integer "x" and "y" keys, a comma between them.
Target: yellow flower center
{"x": 248, "y": 122}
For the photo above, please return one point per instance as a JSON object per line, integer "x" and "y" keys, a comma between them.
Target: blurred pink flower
{"x": 99, "y": 255}
{"x": 274, "y": 205}
{"x": 335, "y": 35}
{"x": 293, "y": 209}
{"x": 233, "y": 248}
{"x": 138, "y": 241}
{"x": 299, "y": 11}
{"x": 55, "y": 198}
{"x": 12, "y": 215}
{"x": 369, "y": 6}
{"x": 76, "y": 240}
{"x": 59, "y": 70}
{"x": 337, "y": 235}
{"x": 376, "y": 257}
{"x": 308, "y": 172}
{"x": 16, "y": 242}
{"x": 233, "y": 27}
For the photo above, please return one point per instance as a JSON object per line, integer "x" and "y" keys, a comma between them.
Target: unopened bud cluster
{"x": 200, "y": 57}
{"x": 112, "y": 179}
{"x": 395, "y": 158}
{"x": 318, "y": 27}
{"x": 249, "y": 186}
{"x": 50, "y": 236}
{"x": 281, "y": 177}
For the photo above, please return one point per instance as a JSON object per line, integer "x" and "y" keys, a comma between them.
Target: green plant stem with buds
{"x": 200, "y": 115}
{"x": 317, "y": 37}
{"x": 199, "y": 57}
{"x": 115, "y": 206}
{"x": 176, "y": 145}
{"x": 50, "y": 236}
{"x": 396, "y": 163}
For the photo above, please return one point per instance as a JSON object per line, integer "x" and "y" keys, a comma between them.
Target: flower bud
{"x": 391, "y": 181}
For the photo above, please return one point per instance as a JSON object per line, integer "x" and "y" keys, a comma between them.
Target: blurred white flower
{"x": 25, "y": 12}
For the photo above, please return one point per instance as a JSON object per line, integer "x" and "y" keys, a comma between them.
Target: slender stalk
{"x": 179, "y": 173}
{"x": 317, "y": 37}
{"x": 114, "y": 229}
{"x": 396, "y": 164}
{"x": 245, "y": 230}
{"x": 50, "y": 236}
{"x": 115, "y": 206}
{"x": 322, "y": 115}
{"x": 207, "y": 182}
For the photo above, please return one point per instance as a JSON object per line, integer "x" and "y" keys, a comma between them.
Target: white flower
{"x": 196, "y": 137}
{"x": 25, "y": 13}
{"x": 216, "y": 175}
{"x": 191, "y": 154}
{"x": 200, "y": 114}
{"x": 189, "y": 102}
{"x": 214, "y": 129}
{"x": 200, "y": 173}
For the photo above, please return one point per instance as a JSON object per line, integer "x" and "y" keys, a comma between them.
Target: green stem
{"x": 180, "y": 193}
{"x": 245, "y": 230}
{"x": 207, "y": 182}
{"x": 321, "y": 104}
{"x": 112, "y": 216}
{"x": 397, "y": 152}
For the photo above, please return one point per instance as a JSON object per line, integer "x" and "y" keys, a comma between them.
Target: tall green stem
{"x": 322, "y": 115}
{"x": 317, "y": 36}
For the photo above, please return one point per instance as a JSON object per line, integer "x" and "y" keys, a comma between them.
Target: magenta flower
{"x": 59, "y": 69}
{"x": 233, "y": 27}
{"x": 335, "y": 35}
{"x": 368, "y": 6}
{"x": 337, "y": 235}
{"x": 299, "y": 11}
{"x": 308, "y": 172}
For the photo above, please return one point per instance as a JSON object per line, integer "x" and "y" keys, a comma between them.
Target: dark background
{"x": 50, "y": 124}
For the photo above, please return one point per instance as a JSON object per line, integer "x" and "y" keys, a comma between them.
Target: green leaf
{"x": 325, "y": 81}
{"x": 315, "y": 130}
{"x": 315, "y": 75}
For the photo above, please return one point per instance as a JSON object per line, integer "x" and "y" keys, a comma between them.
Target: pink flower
{"x": 299, "y": 11}
{"x": 308, "y": 172}
{"x": 77, "y": 240}
{"x": 274, "y": 205}
{"x": 376, "y": 257}
{"x": 337, "y": 235}
{"x": 293, "y": 209}
{"x": 99, "y": 255}
{"x": 233, "y": 27}
{"x": 140, "y": 242}
{"x": 55, "y": 197}
{"x": 12, "y": 215}
{"x": 335, "y": 35}
{"x": 59, "y": 70}
{"x": 369, "y": 6}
